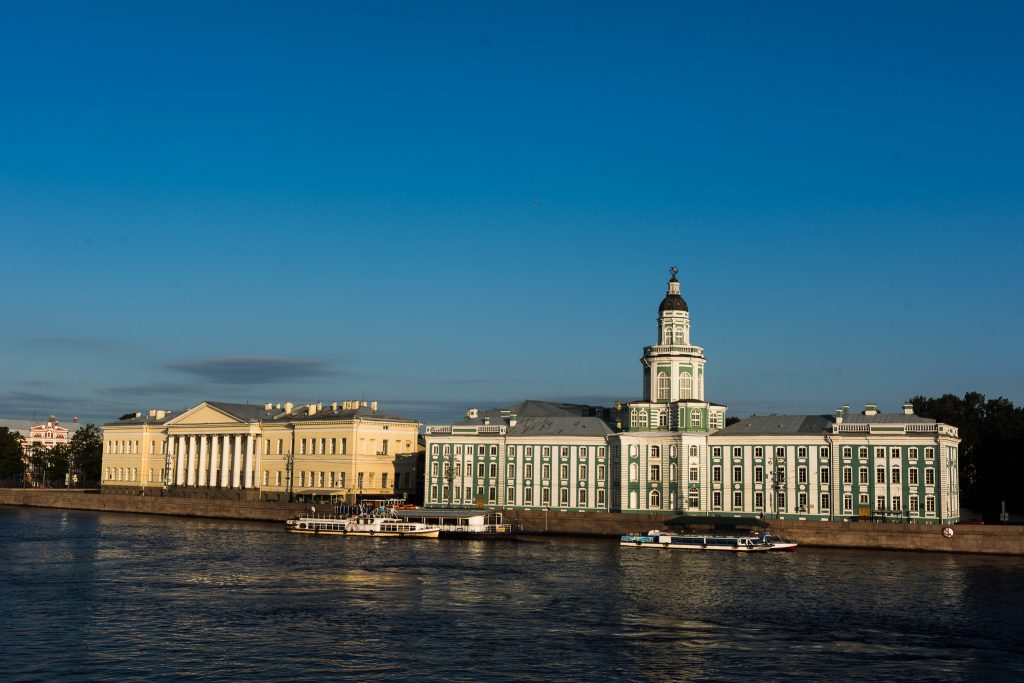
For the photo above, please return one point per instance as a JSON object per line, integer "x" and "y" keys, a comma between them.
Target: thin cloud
{"x": 155, "y": 389}
{"x": 253, "y": 370}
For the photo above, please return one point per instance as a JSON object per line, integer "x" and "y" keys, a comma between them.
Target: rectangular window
{"x": 321, "y": 480}
{"x": 912, "y": 476}
{"x": 801, "y": 452}
{"x": 929, "y": 453}
{"x": 492, "y": 494}
{"x": 801, "y": 501}
{"x": 359, "y": 480}
{"x": 862, "y": 499}
{"x": 694, "y": 501}
{"x": 384, "y": 480}
{"x": 758, "y": 475}
{"x": 528, "y": 495}
{"x": 600, "y": 497}
{"x": 302, "y": 478}
{"x": 758, "y": 451}
{"x": 563, "y": 496}
{"x": 545, "y": 496}
{"x": 847, "y": 503}
{"x": 929, "y": 477}
{"x": 879, "y": 453}
{"x": 737, "y": 474}
{"x": 896, "y": 507}
{"x": 716, "y": 500}
{"x": 528, "y": 470}
{"x": 600, "y": 472}
{"x": 880, "y": 503}
{"x": 929, "y": 504}
{"x": 780, "y": 452}
{"x": 545, "y": 471}
{"x": 278, "y": 478}
{"x": 480, "y": 470}
{"x": 323, "y": 446}
{"x": 780, "y": 502}
{"x": 344, "y": 446}
{"x": 895, "y": 475}
{"x": 510, "y": 471}
{"x": 913, "y": 505}
{"x": 847, "y": 452}
{"x": 824, "y": 475}
{"x": 847, "y": 475}
{"x": 716, "y": 473}
{"x": 912, "y": 453}
{"x": 737, "y": 452}
{"x": 758, "y": 500}
{"x": 693, "y": 474}
{"x": 825, "y": 452}
{"x": 737, "y": 500}
{"x": 302, "y": 447}
{"x": 563, "y": 472}
{"x": 826, "y": 501}
{"x": 801, "y": 475}
{"x": 880, "y": 475}
{"x": 862, "y": 452}
{"x": 510, "y": 495}
{"x": 581, "y": 497}
{"x": 655, "y": 472}
{"x": 862, "y": 475}
{"x": 894, "y": 452}
{"x": 494, "y": 470}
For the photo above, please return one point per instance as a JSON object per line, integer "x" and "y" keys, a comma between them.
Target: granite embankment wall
{"x": 997, "y": 540}
{"x": 154, "y": 505}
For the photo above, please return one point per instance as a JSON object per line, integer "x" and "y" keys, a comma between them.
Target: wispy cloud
{"x": 253, "y": 370}
{"x": 155, "y": 389}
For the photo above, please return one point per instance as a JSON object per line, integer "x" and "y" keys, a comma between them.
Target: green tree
{"x": 12, "y": 458}
{"x": 87, "y": 449}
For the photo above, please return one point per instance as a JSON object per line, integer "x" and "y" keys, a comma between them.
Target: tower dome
{"x": 673, "y": 300}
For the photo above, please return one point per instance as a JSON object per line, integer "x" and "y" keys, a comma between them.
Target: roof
{"x": 778, "y": 425}
{"x": 560, "y": 426}
{"x": 886, "y": 418}
{"x": 26, "y": 426}
{"x": 446, "y": 514}
{"x": 535, "y": 408}
{"x": 673, "y": 301}
{"x": 301, "y": 413}
{"x": 144, "y": 419}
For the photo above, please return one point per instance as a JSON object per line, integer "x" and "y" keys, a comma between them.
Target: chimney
{"x": 152, "y": 412}
{"x": 472, "y": 413}
{"x": 311, "y": 409}
{"x": 373, "y": 406}
{"x": 159, "y": 414}
{"x": 364, "y": 404}
{"x": 846, "y": 410}
{"x": 871, "y": 409}
{"x": 74, "y": 420}
{"x": 138, "y": 414}
{"x": 908, "y": 408}
{"x": 334, "y": 406}
{"x": 268, "y": 406}
{"x": 288, "y": 408}
{"x": 277, "y": 406}
{"x": 839, "y": 416}
{"x": 487, "y": 420}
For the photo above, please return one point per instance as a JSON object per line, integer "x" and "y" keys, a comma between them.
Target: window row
{"x": 467, "y": 494}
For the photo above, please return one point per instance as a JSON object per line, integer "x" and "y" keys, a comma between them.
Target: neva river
{"x": 90, "y": 596}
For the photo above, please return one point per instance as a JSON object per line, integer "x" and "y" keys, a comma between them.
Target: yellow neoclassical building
{"x": 347, "y": 451}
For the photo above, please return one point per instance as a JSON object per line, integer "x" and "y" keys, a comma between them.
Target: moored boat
{"x": 385, "y": 525}
{"x": 477, "y": 524}
{"x": 690, "y": 541}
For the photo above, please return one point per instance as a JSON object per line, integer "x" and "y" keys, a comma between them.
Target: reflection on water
{"x": 96, "y": 595}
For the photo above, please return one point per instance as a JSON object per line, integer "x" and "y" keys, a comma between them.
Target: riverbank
{"x": 976, "y": 539}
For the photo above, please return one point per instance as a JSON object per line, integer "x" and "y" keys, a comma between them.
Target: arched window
{"x": 679, "y": 336}
{"x": 663, "y": 386}
{"x": 655, "y": 499}
{"x": 693, "y": 451}
{"x": 634, "y": 472}
{"x": 641, "y": 418}
{"x": 685, "y": 386}
{"x": 666, "y": 335}
{"x": 695, "y": 418}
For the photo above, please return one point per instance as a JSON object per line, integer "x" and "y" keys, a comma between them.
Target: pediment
{"x": 203, "y": 414}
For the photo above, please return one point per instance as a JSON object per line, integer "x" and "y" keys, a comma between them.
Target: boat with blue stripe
{"x": 751, "y": 543}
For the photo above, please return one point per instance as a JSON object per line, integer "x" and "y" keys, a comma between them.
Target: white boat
{"x": 367, "y": 524}
{"x": 777, "y": 542}
{"x": 479, "y": 524}
{"x": 752, "y": 543}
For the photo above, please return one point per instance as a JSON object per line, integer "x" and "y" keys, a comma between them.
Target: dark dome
{"x": 673, "y": 302}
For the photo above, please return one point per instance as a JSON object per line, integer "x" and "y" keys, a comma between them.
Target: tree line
{"x": 991, "y": 446}
{"x": 82, "y": 456}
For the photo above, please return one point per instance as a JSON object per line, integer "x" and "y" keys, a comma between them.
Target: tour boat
{"x": 364, "y": 524}
{"x": 742, "y": 544}
{"x": 476, "y": 524}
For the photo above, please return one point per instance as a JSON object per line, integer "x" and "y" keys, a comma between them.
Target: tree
{"x": 87, "y": 449}
{"x": 12, "y": 457}
{"x": 732, "y": 421}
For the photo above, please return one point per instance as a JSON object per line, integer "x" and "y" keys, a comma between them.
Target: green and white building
{"x": 670, "y": 452}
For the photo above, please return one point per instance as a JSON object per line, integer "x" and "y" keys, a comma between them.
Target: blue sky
{"x": 438, "y": 205}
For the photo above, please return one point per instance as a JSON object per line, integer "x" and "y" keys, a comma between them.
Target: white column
{"x": 250, "y": 460}
{"x": 225, "y": 462}
{"x": 191, "y": 473}
{"x": 179, "y": 455}
{"x": 204, "y": 463}
{"x": 236, "y": 460}
{"x": 214, "y": 460}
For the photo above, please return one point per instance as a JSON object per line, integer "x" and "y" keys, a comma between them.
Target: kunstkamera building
{"x": 671, "y": 452}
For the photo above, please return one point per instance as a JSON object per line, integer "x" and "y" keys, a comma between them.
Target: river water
{"x": 90, "y": 596}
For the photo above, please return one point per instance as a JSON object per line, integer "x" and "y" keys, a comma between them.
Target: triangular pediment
{"x": 202, "y": 414}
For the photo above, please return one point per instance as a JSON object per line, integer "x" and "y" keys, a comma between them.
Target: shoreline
{"x": 969, "y": 539}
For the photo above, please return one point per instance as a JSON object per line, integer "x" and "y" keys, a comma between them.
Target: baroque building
{"x": 340, "y": 451}
{"x": 670, "y": 451}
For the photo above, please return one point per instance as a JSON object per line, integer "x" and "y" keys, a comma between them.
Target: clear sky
{"x": 442, "y": 205}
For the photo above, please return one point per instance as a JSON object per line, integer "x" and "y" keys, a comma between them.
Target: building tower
{"x": 673, "y": 369}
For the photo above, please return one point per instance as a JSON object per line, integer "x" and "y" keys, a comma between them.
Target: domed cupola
{"x": 673, "y": 301}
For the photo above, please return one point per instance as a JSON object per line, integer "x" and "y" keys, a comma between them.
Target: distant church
{"x": 670, "y": 452}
